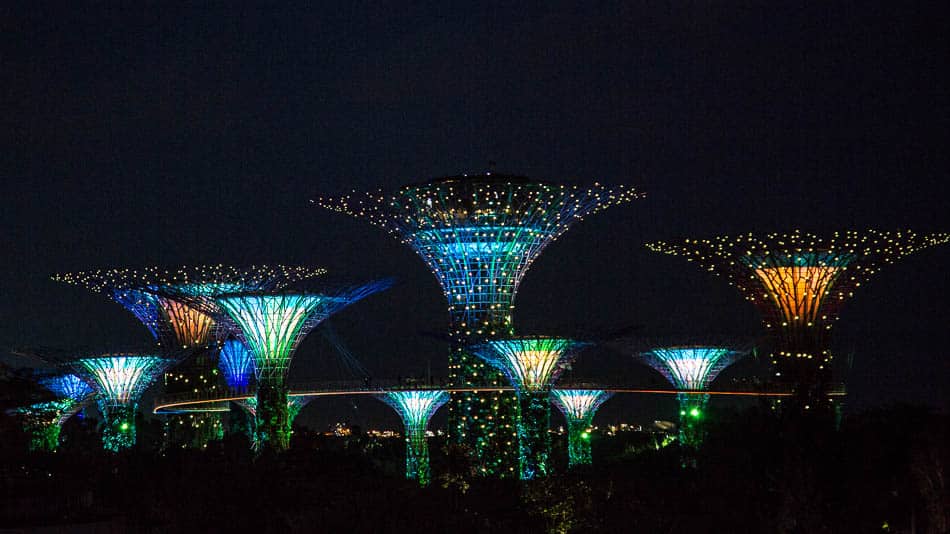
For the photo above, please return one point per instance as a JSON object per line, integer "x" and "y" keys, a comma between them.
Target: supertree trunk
{"x": 417, "y": 455}
{"x": 578, "y": 442}
{"x": 273, "y": 418}
{"x": 118, "y": 427}
{"x": 534, "y": 441}
{"x": 43, "y": 437}
{"x": 692, "y": 412}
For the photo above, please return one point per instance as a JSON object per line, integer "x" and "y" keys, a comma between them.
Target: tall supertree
{"x": 531, "y": 365}
{"x": 691, "y": 369}
{"x": 236, "y": 363}
{"x": 272, "y": 325}
{"x": 479, "y": 235}
{"x": 579, "y": 407}
{"x": 799, "y": 282}
{"x": 159, "y": 298}
{"x": 416, "y": 409}
{"x": 120, "y": 379}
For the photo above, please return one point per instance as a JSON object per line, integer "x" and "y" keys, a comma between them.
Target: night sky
{"x": 166, "y": 137}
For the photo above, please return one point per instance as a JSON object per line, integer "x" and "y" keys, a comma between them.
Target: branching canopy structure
{"x": 416, "y": 409}
{"x": 479, "y": 235}
{"x": 531, "y": 365}
{"x": 579, "y": 407}
{"x": 236, "y": 362}
{"x": 799, "y": 281}
{"x": 691, "y": 368}
{"x": 120, "y": 380}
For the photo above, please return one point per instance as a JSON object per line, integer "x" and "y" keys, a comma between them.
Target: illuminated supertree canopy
{"x": 416, "y": 409}
{"x": 120, "y": 380}
{"x": 272, "y": 325}
{"x": 479, "y": 235}
{"x": 68, "y": 386}
{"x": 531, "y": 365}
{"x": 799, "y": 281}
{"x": 579, "y": 407}
{"x": 692, "y": 369}
{"x": 236, "y": 362}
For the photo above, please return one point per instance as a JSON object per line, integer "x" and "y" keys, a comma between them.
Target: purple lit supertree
{"x": 479, "y": 235}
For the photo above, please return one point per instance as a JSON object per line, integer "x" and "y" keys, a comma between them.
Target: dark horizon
{"x": 189, "y": 136}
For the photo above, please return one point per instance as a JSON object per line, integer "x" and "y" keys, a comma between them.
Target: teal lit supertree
{"x": 164, "y": 301}
{"x": 416, "y": 409}
{"x": 799, "y": 282}
{"x": 120, "y": 379}
{"x": 272, "y": 325}
{"x": 531, "y": 365}
{"x": 691, "y": 369}
{"x": 295, "y": 403}
{"x": 479, "y": 235}
{"x": 43, "y": 421}
{"x": 579, "y": 407}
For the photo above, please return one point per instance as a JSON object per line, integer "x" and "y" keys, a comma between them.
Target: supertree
{"x": 295, "y": 403}
{"x": 44, "y": 420}
{"x": 799, "y": 282}
{"x": 691, "y": 369}
{"x": 579, "y": 407}
{"x": 416, "y": 409}
{"x": 120, "y": 379}
{"x": 479, "y": 235}
{"x": 236, "y": 363}
{"x": 157, "y": 297}
{"x": 272, "y": 325}
{"x": 531, "y": 365}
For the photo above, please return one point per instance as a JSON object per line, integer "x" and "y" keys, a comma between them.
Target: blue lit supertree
{"x": 416, "y": 409}
{"x": 236, "y": 363}
{"x": 120, "y": 379}
{"x": 579, "y": 407}
{"x": 531, "y": 365}
{"x": 691, "y": 369}
{"x": 163, "y": 300}
{"x": 479, "y": 235}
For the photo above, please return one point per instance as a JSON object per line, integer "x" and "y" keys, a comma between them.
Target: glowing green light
{"x": 585, "y": 435}
{"x": 694, "y": 412}
{"x": 125, "y": 426}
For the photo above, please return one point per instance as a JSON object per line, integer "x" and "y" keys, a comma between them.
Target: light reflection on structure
{"x": 479, "y": 235}
{"x": 579, "y": 407}
{"x": 531, "y": 365}
{"x": 416, "y": 409}
{"x": 236, "y": 363}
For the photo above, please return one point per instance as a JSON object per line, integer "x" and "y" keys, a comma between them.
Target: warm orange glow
{"x": 798, "y": 291}
{"x": 190, "y": 326}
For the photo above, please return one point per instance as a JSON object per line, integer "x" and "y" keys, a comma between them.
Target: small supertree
{"x": 120, "y": 379}
{"x": 479, "y": 235}
{"x": 531, "y": 364}
{"x": 579, "y": 407}
{"x": 691, "y": 369}
{"x": 295, "y": 403}
{"x": 43, "y": 421}
{"x": 799, "y": 282}
{"x": 416, "y": 409}
{"x": 236, "y": 363}
{"x": 272, "y": 325}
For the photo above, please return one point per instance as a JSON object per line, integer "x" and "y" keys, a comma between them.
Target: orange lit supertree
{"x": 479, "y": 235}
{"x": 161, "y": 300}
{"x": 799, "y": 282}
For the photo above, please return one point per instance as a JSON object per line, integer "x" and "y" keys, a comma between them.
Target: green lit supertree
{"x": 479, "y": 235}
{"x": 295, "y": 403}
{"x": 531, "y": 364}
{"x": 272, "y": 325}
{"x": 43, "y": 421}
{"x": 579, "y": 407}
{"x": 120, "y": 379}
{"x": 799, "y": 282}
{"x": 164, "y": 301}
{"x": 691, "y": 369}
{"x": 416, "y": 409}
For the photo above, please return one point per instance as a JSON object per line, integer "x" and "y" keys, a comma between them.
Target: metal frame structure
{"x": 416, "y": 408}
{"x": 479, "y": 235}
{"x": 579, "y": 407}
{"x": 799, "y": 282}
